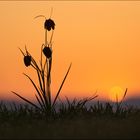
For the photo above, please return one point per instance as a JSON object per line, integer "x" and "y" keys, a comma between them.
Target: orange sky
{"x": 101, "y": 39}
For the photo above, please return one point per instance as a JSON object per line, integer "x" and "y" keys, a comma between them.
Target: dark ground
{"x": 72, "y": 128}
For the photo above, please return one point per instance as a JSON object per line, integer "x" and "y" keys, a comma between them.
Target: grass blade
{"x": 61, "y": 85}
{"x": 124, "y": 94}
{"x": 42, "y": 106}
{"x": 40, "y": 82}
{"x": 40, "y": 95}
{"x": 32, "y": 83}
{"x": 26, "y": 100}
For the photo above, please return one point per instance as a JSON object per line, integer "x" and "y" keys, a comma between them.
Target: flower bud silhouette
{"x": 27, "y": 60}
{"x": 49, "y": 24}
{"x": 47, "y": 52}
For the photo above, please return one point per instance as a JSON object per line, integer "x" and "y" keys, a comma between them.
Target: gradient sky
{"x": 101, "y": 39}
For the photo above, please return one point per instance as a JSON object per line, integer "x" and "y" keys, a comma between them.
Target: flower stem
{"x": 48, "y": 90}
{"x": 45, "y": 37}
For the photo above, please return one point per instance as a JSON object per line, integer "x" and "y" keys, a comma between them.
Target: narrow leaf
{"x": 26, "y": 100}
{"x": 32, "y": 83}
{"x": 39, "y": 16}
{"x": 41, "y": 55}
{"x": 35, "y": 87}
{"x": 40, "y": 83}
{"x": 61, "y": 85}
{"x": 123, "y": 96}
{"x": 124, "y": 93}
{"x": 22, "y": 52}
{"x": 39, "y": 102}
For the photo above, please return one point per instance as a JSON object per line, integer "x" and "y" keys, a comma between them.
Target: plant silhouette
{"x": 43, "y": 70}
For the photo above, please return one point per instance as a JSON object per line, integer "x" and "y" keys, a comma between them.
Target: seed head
{"x": 27, "y": 60}
{"x": 47, "y": 52}
{"x": 49, "y": 24}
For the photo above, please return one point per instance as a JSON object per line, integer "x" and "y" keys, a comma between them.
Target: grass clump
{"x": 73, "y": 119}
{"x": 70, "y": 121}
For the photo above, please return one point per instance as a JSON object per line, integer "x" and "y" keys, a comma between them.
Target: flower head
{"x": 27, "y": 60}
{"x": 49, "y": 24}
{"x": 47, "y": 52}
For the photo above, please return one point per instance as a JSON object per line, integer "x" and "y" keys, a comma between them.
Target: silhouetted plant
{"x": 43, "y": 70}
{"x": 119, "y": 108}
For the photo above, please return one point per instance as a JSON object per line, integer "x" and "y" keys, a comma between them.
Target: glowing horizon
{"x": 101, "y": 39}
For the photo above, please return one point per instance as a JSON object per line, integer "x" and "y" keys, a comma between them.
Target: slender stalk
{"x": 49, "y": 79}
{"x": 45, "y": 37}
{"x": 51, "y": 37}
{"x": 41, "y": 55}
{"x": 44, "y": 87}
{"x": 47, "y": 84}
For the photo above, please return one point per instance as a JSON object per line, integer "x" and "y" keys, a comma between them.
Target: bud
{"x": 27, "y": 60}
{"x": 47, "y": 52}
{"x": 49, "y": 24}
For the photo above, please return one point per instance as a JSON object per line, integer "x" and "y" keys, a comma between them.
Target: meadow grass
{"x": 70, "y": 121}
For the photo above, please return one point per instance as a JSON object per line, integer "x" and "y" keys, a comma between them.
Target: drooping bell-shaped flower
{"x": 49, "y": 24}
{"x": 47, "y": 52}
{"x": 27, "y": 60}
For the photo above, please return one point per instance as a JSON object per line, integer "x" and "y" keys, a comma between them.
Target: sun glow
{"x": 116, "y": 94}
{"x": 103, "y": 48}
